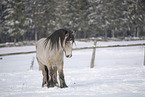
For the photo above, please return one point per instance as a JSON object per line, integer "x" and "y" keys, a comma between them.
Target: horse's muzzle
{"x": 68, "y": 56}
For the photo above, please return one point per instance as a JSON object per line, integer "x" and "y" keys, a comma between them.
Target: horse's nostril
{"x": 68, "y": 56}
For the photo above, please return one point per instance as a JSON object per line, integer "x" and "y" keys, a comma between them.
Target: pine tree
{"x": 2, "y": 32}
{"x": 80, "y": 17}
{"x": 135, "y": 15}
{"x": 15, "y": 18}
{"x": 32, "y": 19}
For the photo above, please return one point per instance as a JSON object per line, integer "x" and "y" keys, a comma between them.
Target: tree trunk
{"x": 112, "y": 33}
{"x": 105, "y": 35}
{"x": 35, "y": 36}
{"x": 15, "y": 40}
{"x": 137, "y": 31}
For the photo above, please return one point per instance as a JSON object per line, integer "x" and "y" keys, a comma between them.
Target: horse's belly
{"x": 43, "y": 60}
{"x": 46, "y": 60}
{"x": 55, "y": 62}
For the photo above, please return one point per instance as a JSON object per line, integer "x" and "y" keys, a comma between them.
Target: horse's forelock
{"x": 70, "y": 37}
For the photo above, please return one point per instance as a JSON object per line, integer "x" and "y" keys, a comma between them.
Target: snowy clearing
{"x": 118, "y": 72}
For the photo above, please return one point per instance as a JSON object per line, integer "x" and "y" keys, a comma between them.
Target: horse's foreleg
{"x": 50, "y": 74}
{"x": 61, "y": 76}
{"x": 45, "y": 77}
{"x": 55, "y": 76}
{"x": 44, "y": 73}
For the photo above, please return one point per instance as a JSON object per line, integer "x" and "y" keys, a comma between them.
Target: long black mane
{"x": 59, "y": 34}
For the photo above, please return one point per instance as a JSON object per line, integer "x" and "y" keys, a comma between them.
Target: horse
{"x": 49, "y": 54}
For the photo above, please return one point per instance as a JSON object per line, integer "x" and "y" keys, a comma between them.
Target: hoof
{"x": 51, "y": 85}
{"x": 65, "y": 86}
{"x": 57, "y": 84}
{"x": 45, "y": 85}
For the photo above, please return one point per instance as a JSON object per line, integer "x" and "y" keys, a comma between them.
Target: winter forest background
{"x": 22, "y": 20}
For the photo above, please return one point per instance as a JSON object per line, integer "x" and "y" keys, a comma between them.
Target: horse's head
{"x": 68, "y": 43}
{"x": 62, "y": 38}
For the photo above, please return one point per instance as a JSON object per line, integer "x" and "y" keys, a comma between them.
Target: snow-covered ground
{"x": 118, "y": 72}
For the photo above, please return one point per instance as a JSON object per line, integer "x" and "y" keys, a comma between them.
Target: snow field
{"x": 118, "y": 72}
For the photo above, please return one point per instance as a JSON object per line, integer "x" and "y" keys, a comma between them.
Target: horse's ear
{"x": 66, "y": 32}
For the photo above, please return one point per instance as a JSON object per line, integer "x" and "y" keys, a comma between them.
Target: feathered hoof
{"x": 64, "y": 86}
{"x": 44, "y": 85}
{"x": 51, "y": 85}
{"x": 57, "y": 85}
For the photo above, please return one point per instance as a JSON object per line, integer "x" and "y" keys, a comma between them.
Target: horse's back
{"x": 40, "y": 42}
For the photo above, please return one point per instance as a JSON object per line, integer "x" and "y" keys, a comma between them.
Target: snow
{"x": 108, "y": 43}
{"x": 17, "y": 49}
{"x": 118, "y": 72}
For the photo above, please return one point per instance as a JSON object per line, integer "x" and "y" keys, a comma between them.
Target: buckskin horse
{"x": 49, "y": 54}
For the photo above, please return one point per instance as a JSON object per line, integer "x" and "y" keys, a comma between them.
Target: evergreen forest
{"x": 26, "y": 20}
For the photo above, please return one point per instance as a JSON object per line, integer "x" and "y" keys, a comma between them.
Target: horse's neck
{"x": 55, "y": 51}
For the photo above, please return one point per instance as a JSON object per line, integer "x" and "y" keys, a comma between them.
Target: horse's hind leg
{"x": 61, "y": 76}
{"x": 44, "y": 72}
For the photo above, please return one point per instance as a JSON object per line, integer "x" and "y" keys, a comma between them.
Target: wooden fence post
{"x": 93, "y": 56}
{"x": 32, "y": 63}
